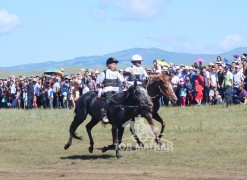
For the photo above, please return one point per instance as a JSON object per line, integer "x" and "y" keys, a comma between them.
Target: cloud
{"x": 176, "y": 43}
{"x": 139, "y": 10}
{"x": 7, "y": 21}
{"x": 180, "y": 44}
{"x": 232, "y": 41}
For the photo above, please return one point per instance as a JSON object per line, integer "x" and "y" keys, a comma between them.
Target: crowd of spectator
{"x": 217, "y": 83}
{"x": 45, "y": 91}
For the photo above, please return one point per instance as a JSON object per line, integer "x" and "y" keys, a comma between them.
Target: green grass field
{"x": 208, "y": 143}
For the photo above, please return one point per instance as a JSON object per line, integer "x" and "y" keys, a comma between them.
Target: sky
{"x": 56, "y": 30}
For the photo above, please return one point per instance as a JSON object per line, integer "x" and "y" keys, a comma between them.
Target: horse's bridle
{"x": 162, "y": 92}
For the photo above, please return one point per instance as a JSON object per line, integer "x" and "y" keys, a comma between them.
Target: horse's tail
{"x": 80, "y": 115}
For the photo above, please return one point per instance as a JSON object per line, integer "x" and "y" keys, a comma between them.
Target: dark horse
{"x": 123, "y": 106}
{"x": 157, "y": 86}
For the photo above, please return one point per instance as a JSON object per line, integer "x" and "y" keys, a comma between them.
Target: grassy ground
{"x": 208, "y": 142}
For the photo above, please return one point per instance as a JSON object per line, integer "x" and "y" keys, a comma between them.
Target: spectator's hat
{"x": 35, "y": 80}
{"x": 190, "y": 68}
{"x": 182, "y": 65}
{"x": 165, "y": 68}
{"x": 186, "y": 67}
{"x": 120, "y": 70}
{"x": 62, "y": 69}
{"x": 96, "y": 72}
{"x": 236, "y": 66}
{"x": 244, "y": 56}
{"x": 211, "y": 64}
{"x": 177, "y": 67}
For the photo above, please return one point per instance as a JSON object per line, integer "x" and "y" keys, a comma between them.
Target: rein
{"x": 112, "y": 100}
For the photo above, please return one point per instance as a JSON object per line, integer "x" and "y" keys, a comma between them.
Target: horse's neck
{"x": 153, "y": 90}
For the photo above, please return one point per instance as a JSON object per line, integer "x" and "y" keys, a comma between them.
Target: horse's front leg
{"x": 89, "y": 127}
{"x": 115, "y": 132}
{"x": 69, "y": 143}
{"x": 154, "y": 128}
{"x": 157, "y": 117}
{"x": 133, "y": 132}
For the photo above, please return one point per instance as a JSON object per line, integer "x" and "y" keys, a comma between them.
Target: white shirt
{"x": 55, "y": 86}
{"x": 12, "y": 89}
{"x": 237, "y": 78}
{"x": 37, "y": 89}
{"x": 213, "y": 79}
{"x": 50, "y": 93}
{"x": 109, "y": 74}
{"x": 175, "y": 81}
{"x": 85, "y": 90}
{"x": 138, "y": 71}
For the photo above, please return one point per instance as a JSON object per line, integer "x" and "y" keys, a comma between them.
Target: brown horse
{"x": 157, "y": 86}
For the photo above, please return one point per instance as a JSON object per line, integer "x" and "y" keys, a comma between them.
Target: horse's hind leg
{"x": 89, "y": 127}
{"x": 120, "y": 132}
{"x": 75, "y": 123}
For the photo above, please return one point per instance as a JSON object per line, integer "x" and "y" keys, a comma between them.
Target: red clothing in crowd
{"x": 199, "y": 93}
{"x": 200, "y": 79}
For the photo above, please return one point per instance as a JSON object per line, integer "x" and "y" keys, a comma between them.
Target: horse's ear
{"x": 135, "y": 83}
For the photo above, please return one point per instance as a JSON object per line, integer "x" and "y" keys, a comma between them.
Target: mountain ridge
{"x": 124, "y": 57}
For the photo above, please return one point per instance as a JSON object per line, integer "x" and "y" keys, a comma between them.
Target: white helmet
{"x": 137, "y": 57}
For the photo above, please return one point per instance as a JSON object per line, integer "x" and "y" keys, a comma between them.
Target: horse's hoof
{"x": 141, "y": 145}
{"x": 90, "y": 149}
{"x": 104, "y": 149}
{"x": 160, "y": 145}
{"x": 119, "y": 156}
{"x": 157, "y": 141}
{"x": 66, "y": 146}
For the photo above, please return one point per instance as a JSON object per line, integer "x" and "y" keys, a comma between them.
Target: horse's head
{"x": 164, "y": 85}
{"x": 138, "y": 97}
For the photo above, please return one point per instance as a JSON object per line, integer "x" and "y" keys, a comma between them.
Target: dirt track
{"x": 54, "y": 174}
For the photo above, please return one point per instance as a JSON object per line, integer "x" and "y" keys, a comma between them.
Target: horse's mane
{"x": 123, "y": 96}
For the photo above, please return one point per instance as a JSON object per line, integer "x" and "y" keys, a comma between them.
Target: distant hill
{"x": 148, "y": 54}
